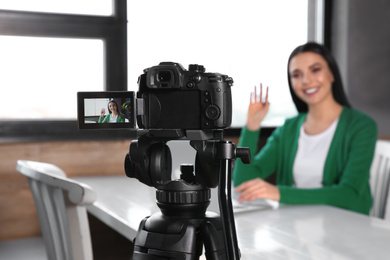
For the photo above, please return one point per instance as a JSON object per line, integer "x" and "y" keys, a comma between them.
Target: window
{"x": 247, "y": 40}
{"x": 85, "y": 7}
{"x": 48, "y": 55}
{"x": 42, "y": 75}
{"x": 106, "y": 45}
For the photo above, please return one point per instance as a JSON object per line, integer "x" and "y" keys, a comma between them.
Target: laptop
{"x": 258, "y": 204}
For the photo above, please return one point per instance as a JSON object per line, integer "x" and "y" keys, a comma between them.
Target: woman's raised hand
{"x": 257, "y": 109}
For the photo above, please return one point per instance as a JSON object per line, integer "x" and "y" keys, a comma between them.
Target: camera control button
{"x": 197, "y": 78}
{"x": 213, "y": 112}
{"x": 190, "y": 84}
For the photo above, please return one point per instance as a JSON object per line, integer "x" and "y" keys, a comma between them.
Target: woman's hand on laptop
{"x": 256, "y": 189}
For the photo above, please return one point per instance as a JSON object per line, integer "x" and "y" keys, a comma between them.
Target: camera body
{"x": 171, "y": 97}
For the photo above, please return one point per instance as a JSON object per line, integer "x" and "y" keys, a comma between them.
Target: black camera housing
{"x": 174, "y": 98}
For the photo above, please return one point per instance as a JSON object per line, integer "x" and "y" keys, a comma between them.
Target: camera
{"x": 169, "y": 97}
{"x": 175, "y": 98}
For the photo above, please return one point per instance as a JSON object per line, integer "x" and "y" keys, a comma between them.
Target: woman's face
{"x": 311, "y": 78}
{"x": 112, "y": 107}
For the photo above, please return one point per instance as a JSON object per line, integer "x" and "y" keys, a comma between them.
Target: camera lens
{"x": 164, "y": 76}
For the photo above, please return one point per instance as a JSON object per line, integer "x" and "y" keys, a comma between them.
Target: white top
{"x": 310, "y": 159}
{"x": 113, "y": 119}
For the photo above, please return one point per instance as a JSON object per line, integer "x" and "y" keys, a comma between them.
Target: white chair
{"x": 60, "y": 206}
{"x": 380, "y": 179}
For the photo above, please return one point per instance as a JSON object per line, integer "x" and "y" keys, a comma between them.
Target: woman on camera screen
{"x": 321, "y": 156}
{"x": 114, "y": 116}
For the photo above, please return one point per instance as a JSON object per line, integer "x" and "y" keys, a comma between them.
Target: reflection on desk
{"x": 121, "y": 202}
{"x": 288, "y": 232}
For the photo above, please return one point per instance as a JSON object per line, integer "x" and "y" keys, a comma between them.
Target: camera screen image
{"x": 97, "y": 110}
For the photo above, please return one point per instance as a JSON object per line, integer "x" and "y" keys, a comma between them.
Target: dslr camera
{"x": 175, "y": 98}
{"x": 169, "y": 97}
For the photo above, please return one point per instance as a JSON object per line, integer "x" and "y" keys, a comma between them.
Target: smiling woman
{"x": 321, "y": 156}
{"x": 311, "y": 80}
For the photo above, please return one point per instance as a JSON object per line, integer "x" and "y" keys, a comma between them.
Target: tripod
{"x": 183, "y": 226}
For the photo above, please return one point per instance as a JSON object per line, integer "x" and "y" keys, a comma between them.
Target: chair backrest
{"x": 380, "y": 179}
{"x": 60, "y": 204}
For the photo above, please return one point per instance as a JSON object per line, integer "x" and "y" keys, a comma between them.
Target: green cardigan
{"x": 346, "y": 171}
{"x": 119, "y": 119}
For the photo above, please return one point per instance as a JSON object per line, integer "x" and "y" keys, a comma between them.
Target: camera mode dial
{"x": 196, "y": 67}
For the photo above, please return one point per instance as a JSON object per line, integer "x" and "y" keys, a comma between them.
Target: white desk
{"x": 289, "y": 232}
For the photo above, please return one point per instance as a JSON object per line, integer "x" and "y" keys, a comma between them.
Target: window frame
{"x": 111, "y": 29}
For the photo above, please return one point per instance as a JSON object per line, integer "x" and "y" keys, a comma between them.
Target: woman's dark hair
{"x": 337, "y": 85}
{"x": 108, "y": 106}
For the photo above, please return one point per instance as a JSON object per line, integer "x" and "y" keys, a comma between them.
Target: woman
{"x": 321, "y": 156}
{"x": 114, "y": 116}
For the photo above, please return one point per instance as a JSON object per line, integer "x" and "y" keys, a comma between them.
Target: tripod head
{"x": 150, "y": 161}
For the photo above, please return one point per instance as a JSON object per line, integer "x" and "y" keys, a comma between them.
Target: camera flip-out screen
{"x": 105, "y": 110}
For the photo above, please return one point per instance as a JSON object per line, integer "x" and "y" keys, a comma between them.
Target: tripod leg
{"x": 225, "y": 204}
{"x": 167, "y": 239}
{"x": 213, "y": 241}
